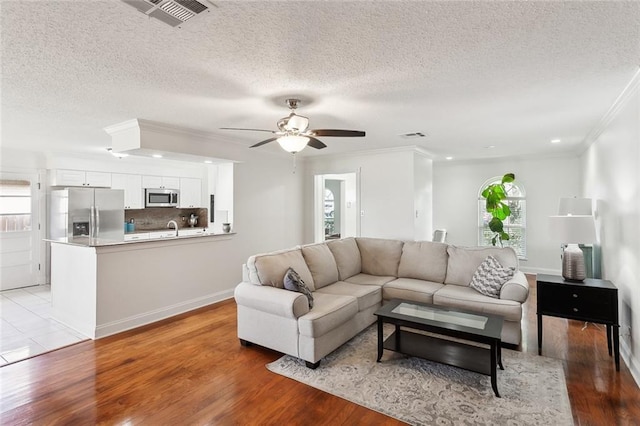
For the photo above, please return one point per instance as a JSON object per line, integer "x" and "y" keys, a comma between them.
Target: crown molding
{"x": 620, "y": 102}
{"x": 565, "y": 155}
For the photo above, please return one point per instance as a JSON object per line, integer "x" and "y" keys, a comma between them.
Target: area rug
{"x": 421, "y": 392}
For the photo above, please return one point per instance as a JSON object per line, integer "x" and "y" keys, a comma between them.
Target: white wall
{"x": 386, "y": 185}
{"x": 612, "y": 178}
{"x": 350, "y": 203}
{"x": 545, "y": 180}
{"x": 423, "y": 197}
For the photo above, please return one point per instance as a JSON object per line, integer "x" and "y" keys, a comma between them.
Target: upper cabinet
{"x": 160, "y": 182}
{"x": 62, "y": 177}
{"x": 132, "y": 185}
{"x": 190, "y": 192}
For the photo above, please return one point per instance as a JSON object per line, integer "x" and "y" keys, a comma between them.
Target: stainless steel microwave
{"x": 161, "y": 197}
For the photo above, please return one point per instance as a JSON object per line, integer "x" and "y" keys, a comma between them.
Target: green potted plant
{"x": 495, "y": 196}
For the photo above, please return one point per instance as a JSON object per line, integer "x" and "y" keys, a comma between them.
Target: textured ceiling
{"x": 467, "y": 74}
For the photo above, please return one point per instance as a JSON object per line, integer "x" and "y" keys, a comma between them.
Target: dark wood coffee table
{"x": 461, "y": 324}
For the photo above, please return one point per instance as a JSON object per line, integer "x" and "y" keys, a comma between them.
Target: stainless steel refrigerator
{"x": 87, "y": 212}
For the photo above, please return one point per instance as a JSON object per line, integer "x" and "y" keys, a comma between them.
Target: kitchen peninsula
{"x": 101, "y": 287}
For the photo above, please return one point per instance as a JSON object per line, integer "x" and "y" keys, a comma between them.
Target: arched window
{"x": 514, "y": 225}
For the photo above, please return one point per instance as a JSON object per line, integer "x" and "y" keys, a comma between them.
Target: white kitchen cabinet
{"x": 190, "y": 192}
{"x": 137, "y": 237}
{"x": 162, "y": 234}
{"x": 61, "y": 177}
{"x": 167, "y": 182}
{"x": 184, "y": 232}
{"x": 132, "y": 185}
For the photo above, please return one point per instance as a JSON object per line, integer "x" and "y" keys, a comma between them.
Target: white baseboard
{"x": 108, "y": 329}
{"x": 633, "y": 364}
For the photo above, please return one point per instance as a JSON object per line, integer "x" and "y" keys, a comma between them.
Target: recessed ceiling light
{"x": 157, "y": 156}
{"x": 449, "y": 158}
{"x": 208, "y": 161}
{"x": 491, "y": 146}
{"x": 556, "y": 140}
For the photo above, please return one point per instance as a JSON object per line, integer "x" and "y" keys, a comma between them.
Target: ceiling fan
{"x": 293, "y": 132}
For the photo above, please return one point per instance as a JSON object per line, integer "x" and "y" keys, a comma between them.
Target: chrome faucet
{"x": 175, "y": 225}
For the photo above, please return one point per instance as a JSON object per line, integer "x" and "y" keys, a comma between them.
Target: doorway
{"x": 19, "y": 233}
{"x": 336, "y": 206}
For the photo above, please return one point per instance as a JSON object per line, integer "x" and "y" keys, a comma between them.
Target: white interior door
{"x": 19, "y": 234}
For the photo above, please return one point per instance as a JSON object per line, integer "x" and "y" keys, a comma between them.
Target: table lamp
{"x": 575, "y": 206}
{"x": 573, "y": 230}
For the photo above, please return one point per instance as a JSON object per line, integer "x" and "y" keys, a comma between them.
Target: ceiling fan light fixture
{"x": 293, "y": 143}
{"x": 297, "y": 123}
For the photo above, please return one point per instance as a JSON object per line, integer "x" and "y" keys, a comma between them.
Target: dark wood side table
{"x": 592, "y": 300}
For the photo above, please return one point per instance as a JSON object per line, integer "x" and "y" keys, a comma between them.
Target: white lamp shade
{"x": 297, "y": 123}
{"x": 575, "y": 206}
{"x": 576, "y": 229}
{"x": 293, "y": 144}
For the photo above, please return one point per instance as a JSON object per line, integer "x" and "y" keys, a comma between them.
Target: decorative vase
{"x": 226, "y": 227}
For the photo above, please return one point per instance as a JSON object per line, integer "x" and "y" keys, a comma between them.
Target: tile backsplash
{"x": 156, "y": 218}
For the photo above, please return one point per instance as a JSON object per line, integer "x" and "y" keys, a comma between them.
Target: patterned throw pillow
{"x": 490, "y": 277}
{"x": 293, "y": 282}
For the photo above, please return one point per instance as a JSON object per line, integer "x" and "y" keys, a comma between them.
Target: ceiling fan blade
{"x": 315, "y": 143}
{"x": 253, "y": 130}
{"x": 263, "y": 142}
{"x": 337, "y": 132}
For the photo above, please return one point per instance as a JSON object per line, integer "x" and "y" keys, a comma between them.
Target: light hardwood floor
{"x": 191, "y": 369}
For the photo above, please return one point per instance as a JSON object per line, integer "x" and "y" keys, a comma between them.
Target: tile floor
{"x": 26, "y": 327}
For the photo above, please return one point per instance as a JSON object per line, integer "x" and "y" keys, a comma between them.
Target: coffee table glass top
{"x": 441, "y": 317}
{"x": 451, "y": 317}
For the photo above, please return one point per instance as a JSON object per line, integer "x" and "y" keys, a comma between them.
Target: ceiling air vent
{"x": 413, "y": 135}
{"x": 171, "y": 12}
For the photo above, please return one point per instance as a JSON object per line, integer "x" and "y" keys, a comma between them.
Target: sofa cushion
{"x": 329, "y": 311}
{"x": 293, "y": 282}
{"x": 463, "y": 261}
{"x": 321, "y": 263}
{"x": 367, "y": 295}
{"x": 366, "y": 279}
{"x": 423, "y": 260}
{"x": 379, "y": 256}
{"x": 269, "y": 269}
{"x": 347, "y": 256}
{"x": 490, "y": 277}
{"x": 411, "y": 289}
{"x": 464, "y": 297}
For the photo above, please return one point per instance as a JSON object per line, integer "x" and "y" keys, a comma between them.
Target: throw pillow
{"x": 293, "y": 282}
{"x": 490, "y": 277}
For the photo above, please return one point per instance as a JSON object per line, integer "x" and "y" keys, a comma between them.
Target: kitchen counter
{"x": 86, "y": 241}
{"x": 102, "y": 287}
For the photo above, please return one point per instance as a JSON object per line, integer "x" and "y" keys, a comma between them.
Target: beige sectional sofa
{"x": 351, "y": 278}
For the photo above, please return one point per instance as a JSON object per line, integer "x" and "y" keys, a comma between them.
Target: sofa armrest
{"x": 276, "y": 301}
{"x": 516, "y": 289}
